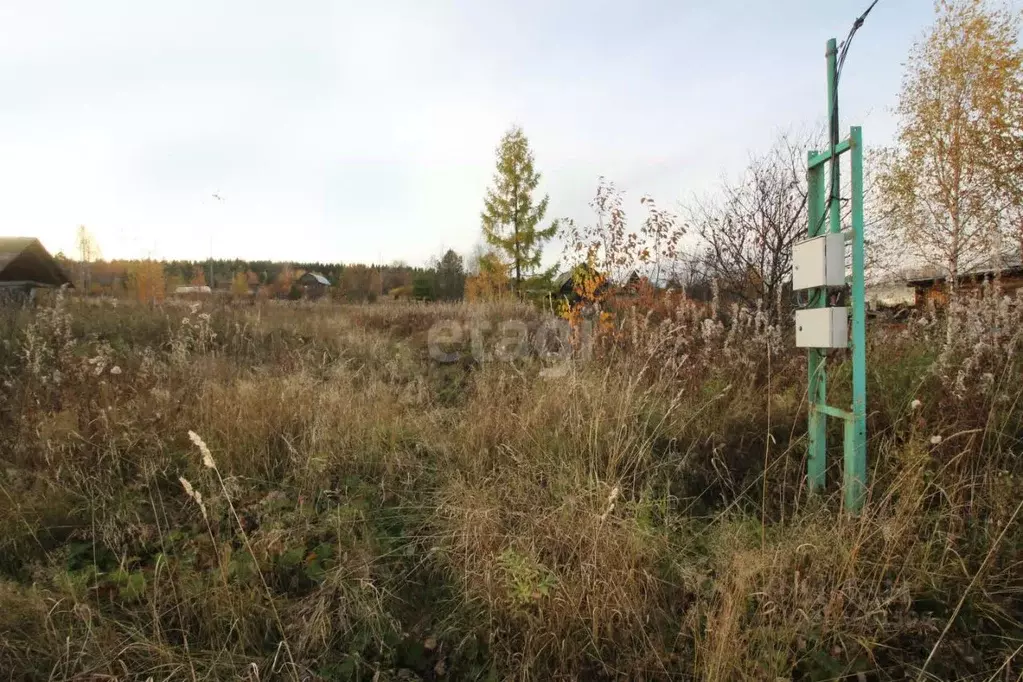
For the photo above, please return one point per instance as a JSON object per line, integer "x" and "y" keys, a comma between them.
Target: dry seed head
{"x": 610, "y": 503}
{"x": 194, "y": 494}
{"x": 207, "y": 458}
{"x": 614, "y": 495}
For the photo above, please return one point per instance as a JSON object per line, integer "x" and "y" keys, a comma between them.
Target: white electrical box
{"x": 819, "y": 262}
{"x": 822, "y": 328}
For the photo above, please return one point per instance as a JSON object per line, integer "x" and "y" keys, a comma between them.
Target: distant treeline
{"x": 444, "y": 279}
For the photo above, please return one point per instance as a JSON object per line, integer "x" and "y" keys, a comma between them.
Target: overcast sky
{"x": 358, "y": 132}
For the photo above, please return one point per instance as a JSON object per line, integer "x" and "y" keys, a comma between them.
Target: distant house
{"x": 565, "y": 284}
{"x": 107, "y": 280}
{"x": 313, "y": 284}
{"x": 890, "y": 295}
{"x": 933, "y": 285}
{"x": 26, "y": 265}
{"x": 192, "y": 290}
{"x": 635, "y": 283}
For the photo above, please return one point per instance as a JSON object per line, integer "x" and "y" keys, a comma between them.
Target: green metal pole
{"x": 817, "y": 186}
{"x": 855, "y": 478}
{"x": 833, "y": 164}
{"x": 816, "y": 453}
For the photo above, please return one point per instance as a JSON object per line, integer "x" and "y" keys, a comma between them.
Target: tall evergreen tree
{"x": 511, "y": 221}
{"x": 450, "y": 276}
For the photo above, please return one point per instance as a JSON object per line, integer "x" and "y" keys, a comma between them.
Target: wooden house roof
{"x": 24, "y": 261}
{"x": 1010, "y": 265}
{"x": 315, "y": 277}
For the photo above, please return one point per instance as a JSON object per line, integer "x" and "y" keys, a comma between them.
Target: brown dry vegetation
{"x": 365, "y": 512}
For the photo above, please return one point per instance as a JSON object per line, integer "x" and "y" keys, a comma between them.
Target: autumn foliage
{"x": 148, "y": 282}
{"x": 614, "y": 265}
{"x": 240, "y": 284}
{"x": 491, "y": 283}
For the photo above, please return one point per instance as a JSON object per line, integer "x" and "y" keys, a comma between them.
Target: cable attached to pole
{"x": 833, "y": 119}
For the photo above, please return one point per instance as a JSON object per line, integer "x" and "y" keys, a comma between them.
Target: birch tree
{"x": 948, "y": 183}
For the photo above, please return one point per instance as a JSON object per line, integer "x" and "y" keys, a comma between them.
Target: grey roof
{"x": 24, "y": 259}
{"x": 566, "y": 278}
{"x": 11, "y": 248}
{"x": 1011, "y": 262}
{"x": 320, "y": 279}
{"x": 562, "y": 279}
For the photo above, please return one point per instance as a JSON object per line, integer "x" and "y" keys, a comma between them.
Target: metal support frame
{"x": 820, "y": 166}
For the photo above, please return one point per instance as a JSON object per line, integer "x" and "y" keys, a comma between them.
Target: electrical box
{"x": 819, "y": 262}
{"x": 822, "y": 328}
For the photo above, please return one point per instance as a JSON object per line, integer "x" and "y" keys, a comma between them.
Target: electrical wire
{"x": 813, "y": 297}
{"x": 833, "y": 118}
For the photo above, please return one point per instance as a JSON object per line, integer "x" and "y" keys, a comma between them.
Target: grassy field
{"x": 305, "y": 492}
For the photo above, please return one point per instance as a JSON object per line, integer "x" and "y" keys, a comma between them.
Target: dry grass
{"x": 374, "y": 514}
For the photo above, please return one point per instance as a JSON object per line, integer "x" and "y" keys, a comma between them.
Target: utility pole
{"x": 211, "y": 283}
{"x": 819, "y": 271}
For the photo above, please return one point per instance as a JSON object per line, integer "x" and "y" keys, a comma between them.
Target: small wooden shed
{"x": 313, "y": 284}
